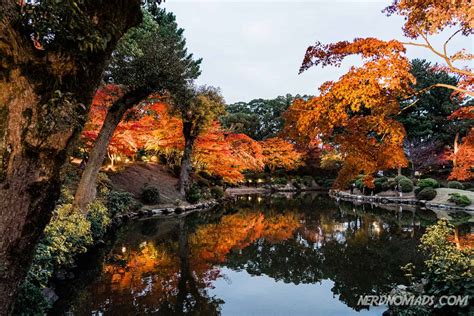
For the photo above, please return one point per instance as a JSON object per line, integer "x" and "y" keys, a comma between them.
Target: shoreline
{"x": 387, "y": 200}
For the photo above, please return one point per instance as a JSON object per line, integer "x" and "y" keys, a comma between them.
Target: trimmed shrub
{"x": 150, "y": 195}
{"x": 426, "y": 194}
{"x": 359, "y": 184}
{"x": 391, "y": 184}
{"x": 459, "y": 199}
{"x": 119, "y": 202}
{"x": 381, "y": 184}
{"x": 217, "y": 192}
{"x": 193, "y": 194}
{"x": 455, "y": 185}
{"x": 406, "y": 185}
{"x": 399, "y": 178}
{"x": 428, "y": 183}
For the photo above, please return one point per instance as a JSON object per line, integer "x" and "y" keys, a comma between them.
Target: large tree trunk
{"x": 86, "y": 190}
{"x": 186, "y": 160}
{"x": 44, "y": 100}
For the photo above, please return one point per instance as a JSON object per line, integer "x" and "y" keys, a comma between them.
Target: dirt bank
{"x": 134, "y": 177}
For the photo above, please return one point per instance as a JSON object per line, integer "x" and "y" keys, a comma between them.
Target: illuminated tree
{"x": 463, "y": 155}
{"x": 198, "y": 109}
{"x": 279, "y": 153}
{"x": 130, "y": 134}
{"x": 151, "y": 58}
{"x": 358, "y": 112}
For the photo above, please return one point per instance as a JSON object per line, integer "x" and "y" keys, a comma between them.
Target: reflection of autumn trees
{"x": 172, "y": 276}
{"x": 361, "y": 253}
{"x": 304, "y": 240}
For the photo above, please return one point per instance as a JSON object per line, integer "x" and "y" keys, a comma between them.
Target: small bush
{"x": 428, "y": 183}
{"x": 202, "y": 182}
{"x": 119, "y": 202}
{"x": 455, "y": 185}
{"x": 399, "y": 178}
{"x": 150, "y": 195}
{"x": 308, "y": 181}
{"x": 359, "y": 183}
{"x": 328, "y": 183}
{"x": 381, "y": 184}
{"x": 280, "y": 181}
{"x": 426, "y": 194}
{"x": 217, "y": 192}
{"x": 193, "y": 194}
{"x": 99, "y": 217}
{"x": 406, "y": 185}
{"x": 459, "y": 199}
{"x": 103, "y": 182}
{"x": 391, "y": 184}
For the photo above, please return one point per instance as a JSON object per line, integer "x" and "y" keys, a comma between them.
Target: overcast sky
{"x": 253, "y": 49}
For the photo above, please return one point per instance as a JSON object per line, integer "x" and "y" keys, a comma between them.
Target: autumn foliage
{"x": 153, "y": 127}
{"x": 279, "y": 153}
{"x": 131, "y": 134}
{"x": 356, "y": 113}
{"x": 464, "y": 157}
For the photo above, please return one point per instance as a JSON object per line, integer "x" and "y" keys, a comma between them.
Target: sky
{"x": 253, "y": 49}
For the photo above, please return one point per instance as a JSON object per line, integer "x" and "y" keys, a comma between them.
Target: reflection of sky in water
{"x": 261, "y": 295}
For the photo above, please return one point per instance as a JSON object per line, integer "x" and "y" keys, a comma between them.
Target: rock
{"x": 50, "y": 295}
{"x": 179, "y": 210}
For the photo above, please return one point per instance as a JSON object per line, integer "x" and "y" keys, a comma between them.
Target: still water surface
{"x": 258, "y": 255}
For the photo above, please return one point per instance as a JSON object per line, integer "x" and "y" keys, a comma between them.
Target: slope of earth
{"x": 134, "y": 177}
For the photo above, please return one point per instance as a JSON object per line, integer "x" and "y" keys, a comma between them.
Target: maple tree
{"x": 130, "y": 134}
{"x": 427, "y": 17}
{"x": 247, "y": 150}
{"x": 279, "y": 153}
{"x": 463, "y": 155}
{"x": 151, "y": 59}
{"x": 198, "y": 108}
{"x": 357, "y": 113}
{"x": 215, "y": 155}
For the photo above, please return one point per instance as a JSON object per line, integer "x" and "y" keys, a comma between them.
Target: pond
{"x": 258, "y": 255}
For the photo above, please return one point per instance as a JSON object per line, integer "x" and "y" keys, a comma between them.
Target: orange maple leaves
{"x": 357, "y": 113}
{"x": 154, "y": 128}
{"x": 279, "y": 153}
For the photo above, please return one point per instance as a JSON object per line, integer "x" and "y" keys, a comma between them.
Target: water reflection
{"x": 172, "y": 266}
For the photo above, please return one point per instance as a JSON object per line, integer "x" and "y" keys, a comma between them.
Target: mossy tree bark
{"x": 44, "y": 100}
